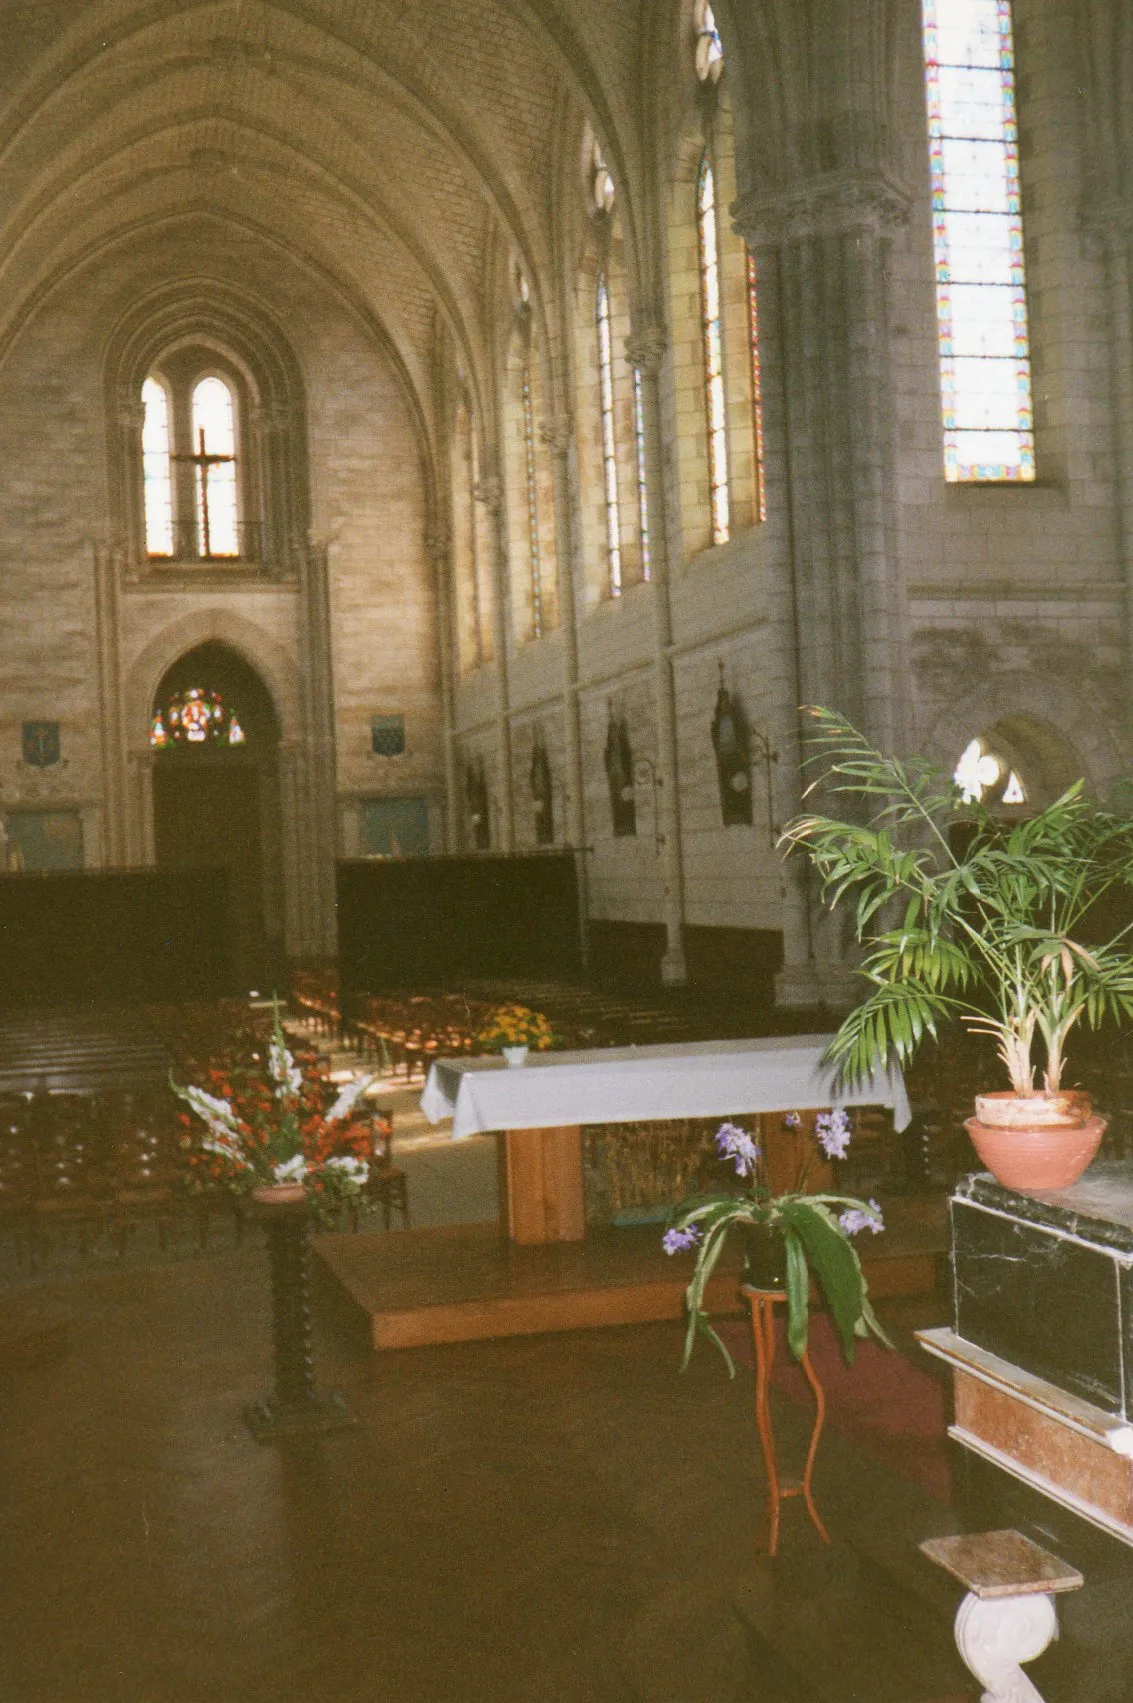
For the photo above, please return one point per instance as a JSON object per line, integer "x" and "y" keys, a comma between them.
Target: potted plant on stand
{"x": 785, "y": 1237}
{"x": 267, "y": 1138}
{"x": 991, "y": 925}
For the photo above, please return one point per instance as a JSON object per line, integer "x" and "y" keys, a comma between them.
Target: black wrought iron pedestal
{"x": 295, "y": 1408}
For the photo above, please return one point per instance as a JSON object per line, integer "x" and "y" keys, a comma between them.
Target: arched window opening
{"x": 709, "y": 47}
{"x": 609, "y": 440}
{"x": 214, "y": 465}
{"x": 713, "y": 347}
{"x": 985, "y": 367}
{"x": 196, "y": 716}
{"x": 984, "y": 777}
{"x": 157, "y": 476}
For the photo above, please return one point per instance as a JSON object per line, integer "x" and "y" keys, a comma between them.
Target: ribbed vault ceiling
{"x": 392, "y": 146}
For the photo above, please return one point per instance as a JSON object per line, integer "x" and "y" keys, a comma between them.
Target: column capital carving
{"x": 489, "y": 491}
{"x": 837, "y": 203}
{"x": 556, "y": 433}
{"x": 645, "y": 349}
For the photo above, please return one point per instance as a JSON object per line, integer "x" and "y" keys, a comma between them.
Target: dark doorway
{"x": 216, "y": 797}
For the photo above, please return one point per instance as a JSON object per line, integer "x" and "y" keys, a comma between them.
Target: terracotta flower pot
{"x": 279, "y": 1194}
{"x": 1036, "y": 1142}
{"x": 1064, "y": 1108}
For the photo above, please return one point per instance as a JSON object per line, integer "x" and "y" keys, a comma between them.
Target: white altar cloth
{"x": 699, "y": 1079}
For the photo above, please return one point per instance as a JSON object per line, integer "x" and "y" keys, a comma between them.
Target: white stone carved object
{"x": 995, "y": 1635}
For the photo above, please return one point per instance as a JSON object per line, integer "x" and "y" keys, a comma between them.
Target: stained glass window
{"x": 196, "y": 717}
{"x": 980, "y": 774}
{"x": 756, "y": 387}
{"x": 985, "y": 367}
{"x": 214, "y": 441}
{"x": 642, "y": 487}
{"x": 157, "y": 476}
{"x": 534, "y": 555}
{"x": 609, "y": 442}
{"x": 713, "y": 340}
{"x": 709, "y": 47}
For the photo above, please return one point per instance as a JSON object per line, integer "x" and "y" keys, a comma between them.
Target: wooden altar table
{"x": 540, "y": 1108}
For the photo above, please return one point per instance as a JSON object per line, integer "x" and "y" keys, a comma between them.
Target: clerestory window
{"x": 192, "y": 467}
{"x": 985, "y": 367}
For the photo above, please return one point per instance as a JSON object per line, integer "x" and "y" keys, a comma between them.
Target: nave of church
{"x": 447, "y": 446}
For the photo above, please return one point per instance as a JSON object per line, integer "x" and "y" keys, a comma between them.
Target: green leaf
{"x": 835, "y": 1261}
{"x": 798, "y": 1295}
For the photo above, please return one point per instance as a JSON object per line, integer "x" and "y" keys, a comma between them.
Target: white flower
{"x": 285, "y": 1073}
{"x": 354, "y": 1170}
{"x": 212, "y": 1145}
{"x": 833, "y": 1131}
{"x": 348, "y": 1098}
{"x": 855, "y": 1219}
{"x": 291, "y": 1170}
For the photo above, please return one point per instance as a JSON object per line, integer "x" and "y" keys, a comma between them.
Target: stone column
{"x": 489, "y": 491}
{"x": 558, "y": 435}
{"x": 139, "y": 847}
{"x": 439, "y": 546}
{"x": 821, "y": 254}
{"x": 112, "y": 733}
{"x": 316, "y": 772}
{"x": 1110, "y": 231}
{"x": 126, "y": 471}
{"x": 270, "y": 540}
{"x": 645, "y": 351}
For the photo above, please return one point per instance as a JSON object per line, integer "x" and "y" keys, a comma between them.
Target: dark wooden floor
{"x": 556, "y": 1517}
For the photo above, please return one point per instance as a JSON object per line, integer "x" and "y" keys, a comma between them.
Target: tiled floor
{"x": 541, "y": 1518}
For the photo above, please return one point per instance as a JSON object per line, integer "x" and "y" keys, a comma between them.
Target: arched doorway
{"x": 215, "y": 737}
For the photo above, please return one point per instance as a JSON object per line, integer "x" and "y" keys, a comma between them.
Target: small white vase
{"x": 514, "y": 1056}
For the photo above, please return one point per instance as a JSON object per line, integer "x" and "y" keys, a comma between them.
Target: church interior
{"x": 449, "y": 450}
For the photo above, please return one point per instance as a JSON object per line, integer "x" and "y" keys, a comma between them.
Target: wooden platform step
{"x": 466, "y": 1282}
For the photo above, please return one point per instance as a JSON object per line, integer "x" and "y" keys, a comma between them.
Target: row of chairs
{"x": 95, "y": 1166}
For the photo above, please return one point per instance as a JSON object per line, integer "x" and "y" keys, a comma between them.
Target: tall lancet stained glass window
{"x": 713, "y": 339}
{"x": 157, "y": 474}
{"x": 214, "y": 468}
{"x": 609, "y": 440}
{"x": 985, "y": 368}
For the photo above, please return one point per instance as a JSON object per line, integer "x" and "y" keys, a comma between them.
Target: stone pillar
{"x": 112, "y": 733}
{"x": 126, "y": 467}
{"x": 268, "y": 529}
{"x": 139, "y": 847}
{"x": 316, "y": 768}
{"x": 558, "y": 436}
{"x": 1110, "y": 230}
{"x": 489, "y": 491}
{"x": 821, "y": 255}
{"x": 645, "y": 351}
{"x": 439, "y": 547}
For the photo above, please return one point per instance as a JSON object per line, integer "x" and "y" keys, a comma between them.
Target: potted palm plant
{"x": 993, "y": 924}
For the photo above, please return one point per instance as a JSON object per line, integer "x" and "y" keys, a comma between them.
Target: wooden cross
{"x": 205, "y": 462}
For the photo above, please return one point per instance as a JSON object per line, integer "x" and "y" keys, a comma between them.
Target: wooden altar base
{"x": 466, "y": 1282}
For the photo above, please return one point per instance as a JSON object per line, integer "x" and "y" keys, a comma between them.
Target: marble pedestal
{"x": 1041, "y": 1350}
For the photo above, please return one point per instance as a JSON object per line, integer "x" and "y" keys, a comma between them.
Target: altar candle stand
{"x": 762, "y": 1303}
{"x": 295, "y": 1408}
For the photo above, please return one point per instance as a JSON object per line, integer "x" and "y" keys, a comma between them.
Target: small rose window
{"x": 196, "y": 717}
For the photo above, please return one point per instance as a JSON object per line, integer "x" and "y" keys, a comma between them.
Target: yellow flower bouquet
{"x": 515, "y": 1026}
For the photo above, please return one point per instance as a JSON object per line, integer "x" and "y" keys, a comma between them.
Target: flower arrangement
{"x": 516, "y": 1026}
{"x": 264, "y": 1126}
{"x": 815, "y": 1231}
